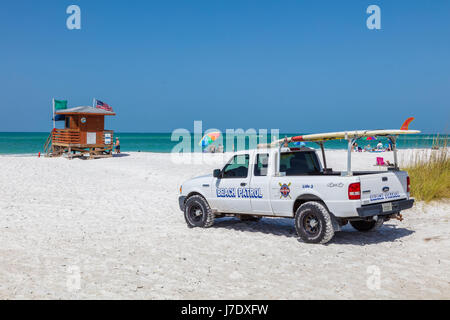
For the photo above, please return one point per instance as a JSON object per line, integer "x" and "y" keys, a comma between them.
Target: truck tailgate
{"x": 383, "y": 187}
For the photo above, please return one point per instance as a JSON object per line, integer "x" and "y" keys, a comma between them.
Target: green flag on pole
{"x": 60, "y": 104}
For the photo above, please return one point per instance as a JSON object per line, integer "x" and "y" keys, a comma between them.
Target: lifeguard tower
{"x": 84, "y": 134}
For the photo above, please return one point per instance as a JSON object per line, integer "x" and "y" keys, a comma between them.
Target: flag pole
{"x": 53, "y": 103}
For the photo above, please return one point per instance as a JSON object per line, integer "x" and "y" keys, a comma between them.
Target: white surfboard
{"x": 340, "y": 135}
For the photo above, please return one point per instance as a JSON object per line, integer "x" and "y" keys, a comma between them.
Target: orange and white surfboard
{"x": 345, "y": 135}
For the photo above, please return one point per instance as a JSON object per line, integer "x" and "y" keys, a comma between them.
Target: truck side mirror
{"x": 216, "y": 173}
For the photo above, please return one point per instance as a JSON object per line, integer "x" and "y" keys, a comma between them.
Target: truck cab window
{"x": 261, "y": 165}
{"x": 237, "y": 167}
{"x": 299, "y": 163}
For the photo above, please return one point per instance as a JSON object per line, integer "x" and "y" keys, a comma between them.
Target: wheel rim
{"x": 311, "y": 224}
{"x": 195, "y": 213}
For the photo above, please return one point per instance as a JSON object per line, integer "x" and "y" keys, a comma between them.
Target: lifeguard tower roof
{"x": 85, "y": 110}
{"x": 84, "y": 133}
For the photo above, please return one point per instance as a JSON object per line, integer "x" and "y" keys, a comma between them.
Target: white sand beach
{"x": 112, "y": 229}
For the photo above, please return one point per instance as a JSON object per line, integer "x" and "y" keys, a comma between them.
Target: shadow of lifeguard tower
{"x": 84, "y": 134}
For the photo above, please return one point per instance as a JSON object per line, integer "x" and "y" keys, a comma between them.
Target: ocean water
{"x": 32, "y": 143}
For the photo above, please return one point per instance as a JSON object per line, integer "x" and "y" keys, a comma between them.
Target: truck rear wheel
{"x": 364, "y": 226}
{"x": 313, "y": 223}
{"x": 197, "y": 212}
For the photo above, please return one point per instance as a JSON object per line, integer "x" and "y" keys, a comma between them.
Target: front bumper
{"x": 181, "y": 201}
{"x": 371, "y": 210}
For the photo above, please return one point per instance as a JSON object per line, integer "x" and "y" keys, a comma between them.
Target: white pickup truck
{"x": 292, "y": 183}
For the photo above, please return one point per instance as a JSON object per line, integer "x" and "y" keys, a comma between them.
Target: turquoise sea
{"x": 32, "y": 143}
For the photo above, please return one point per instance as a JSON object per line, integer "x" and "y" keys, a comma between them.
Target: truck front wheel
{"x": 362, "y": 225}
{"x": 313, "y": 223}
{"x": 197, "y": 212}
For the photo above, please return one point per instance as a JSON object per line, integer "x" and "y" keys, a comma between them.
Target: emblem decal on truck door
{"x": 285, "y": 190}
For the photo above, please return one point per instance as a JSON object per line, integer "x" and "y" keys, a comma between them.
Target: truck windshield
{"x": 299, "y": 163}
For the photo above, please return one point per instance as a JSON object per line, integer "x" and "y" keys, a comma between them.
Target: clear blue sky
{"x": 299, "y": 66}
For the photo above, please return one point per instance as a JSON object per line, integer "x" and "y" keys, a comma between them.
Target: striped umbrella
{"x": 209, "y": 138}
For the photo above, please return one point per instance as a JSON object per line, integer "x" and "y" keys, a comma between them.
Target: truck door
{"x": 260, "y": 185}
{"x": 232, "y": 187}
{"x": 295, "y": 178}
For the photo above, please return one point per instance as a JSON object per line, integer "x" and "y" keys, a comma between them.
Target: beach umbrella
{"x": 370, "y": 138}
{"x": 209, "y": 138}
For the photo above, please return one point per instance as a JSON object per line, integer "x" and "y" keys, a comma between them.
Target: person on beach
{"x": 286, "y": 143}
{"x": 380, "y": 146}
{"x": 212, "y": 148}
{"x": 117, "y": 145}
{"x": 220, "y": 148}
{"x": 355, "y": 147}
{"x": 389, "y": 148}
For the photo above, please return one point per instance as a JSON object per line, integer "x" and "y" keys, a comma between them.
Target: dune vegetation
{"x": 430, "y": 173}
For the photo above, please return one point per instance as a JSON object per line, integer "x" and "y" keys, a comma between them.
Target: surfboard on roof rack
{"x": 350, "y": 136}
{"x": 356, "y": 134}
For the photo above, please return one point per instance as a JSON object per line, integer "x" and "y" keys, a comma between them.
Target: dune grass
{"x": 430, "y": 173}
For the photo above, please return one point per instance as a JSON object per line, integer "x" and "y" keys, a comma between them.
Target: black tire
{"x": 197, "y": 212}
{"x": 246, "y": 217}
{"x": 365, "y": 226}
{"x": 313, "y": 223}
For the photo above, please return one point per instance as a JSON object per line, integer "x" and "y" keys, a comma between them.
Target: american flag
{"x": 104, "y": 106}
